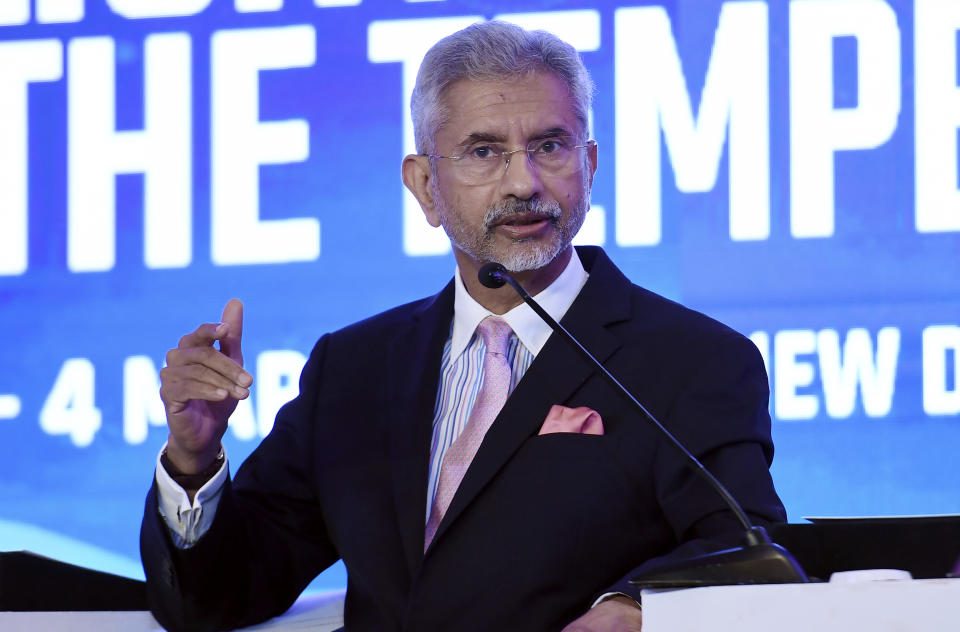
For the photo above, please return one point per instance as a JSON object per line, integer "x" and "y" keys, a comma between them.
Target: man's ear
{"x": 592, "y": 160}
{"x": 416, "y": 177}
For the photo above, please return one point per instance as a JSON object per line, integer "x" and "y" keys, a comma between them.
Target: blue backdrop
{"x": 790, "y": 168}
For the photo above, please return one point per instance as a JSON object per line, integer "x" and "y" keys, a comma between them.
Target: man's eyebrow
{"x": 553, "y": 132}
{"x": 480, "y": 137}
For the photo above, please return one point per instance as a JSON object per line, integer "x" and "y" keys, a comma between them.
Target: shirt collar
{"x": 530, "y": 329}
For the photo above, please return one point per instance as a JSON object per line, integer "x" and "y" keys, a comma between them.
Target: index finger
{"x": 204, "y": 335}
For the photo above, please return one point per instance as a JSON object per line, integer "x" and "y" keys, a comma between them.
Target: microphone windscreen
{"x": 491, "y": 275}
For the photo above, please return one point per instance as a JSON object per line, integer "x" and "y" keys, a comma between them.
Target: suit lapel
{"x": 414, "y": 358}
{"x": 603, "y": 301}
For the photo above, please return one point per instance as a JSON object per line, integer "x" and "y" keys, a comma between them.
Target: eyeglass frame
{"x": 507, "y": 155}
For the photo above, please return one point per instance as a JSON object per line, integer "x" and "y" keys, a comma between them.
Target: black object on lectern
{"x": 927, "y": 546}
{"x": 30, "y": 582}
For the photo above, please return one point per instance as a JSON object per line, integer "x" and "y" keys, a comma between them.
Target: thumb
{"x": 233, "y": 318}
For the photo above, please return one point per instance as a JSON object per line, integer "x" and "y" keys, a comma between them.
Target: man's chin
{"x": 528, "y": 255}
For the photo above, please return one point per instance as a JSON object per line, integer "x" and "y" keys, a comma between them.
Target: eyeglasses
{"x": 480, "y": 162}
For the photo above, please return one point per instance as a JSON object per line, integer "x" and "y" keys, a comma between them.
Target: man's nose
{"x": 520, "y": 179}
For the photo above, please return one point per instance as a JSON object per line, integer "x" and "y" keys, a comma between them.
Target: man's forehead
{"x": 535, "y": 105}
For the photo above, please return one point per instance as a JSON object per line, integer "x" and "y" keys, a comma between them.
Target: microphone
{"x": 494, "y": 276}
{"x": 759, "y": 562}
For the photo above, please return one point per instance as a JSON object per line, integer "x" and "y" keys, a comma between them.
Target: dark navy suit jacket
{"x": 540, "y": 526}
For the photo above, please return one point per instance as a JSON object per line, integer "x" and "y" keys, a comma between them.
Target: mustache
{"x": 505, "y": 209}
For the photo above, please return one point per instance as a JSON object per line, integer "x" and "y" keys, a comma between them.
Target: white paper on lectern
{"x": 882, "y": 606}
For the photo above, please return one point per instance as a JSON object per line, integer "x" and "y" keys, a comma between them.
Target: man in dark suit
{"x": 542, "y": 528}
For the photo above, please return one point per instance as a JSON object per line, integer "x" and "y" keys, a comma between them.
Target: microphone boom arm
{"x": 760, "y": 562}
{"x": 692, "y": 460}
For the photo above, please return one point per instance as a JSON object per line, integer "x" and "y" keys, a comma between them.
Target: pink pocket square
{"x": 581, "y": 420}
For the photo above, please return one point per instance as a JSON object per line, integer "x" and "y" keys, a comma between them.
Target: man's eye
{"x": 482, "y": 152}
{"x": 551, "y": 146}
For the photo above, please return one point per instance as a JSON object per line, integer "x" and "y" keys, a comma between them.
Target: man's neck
{"x": 502, "y": 300}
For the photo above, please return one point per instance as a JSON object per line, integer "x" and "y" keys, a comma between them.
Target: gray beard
{"x": 524, "y": 254}
{"x": 528, "y": 254}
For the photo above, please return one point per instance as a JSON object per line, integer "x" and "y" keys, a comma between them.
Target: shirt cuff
{"x": 611, "y": 595}
{"x": 188, "y": 522}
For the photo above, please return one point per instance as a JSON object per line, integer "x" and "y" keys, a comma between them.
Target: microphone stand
{"x": 760, "y": 561}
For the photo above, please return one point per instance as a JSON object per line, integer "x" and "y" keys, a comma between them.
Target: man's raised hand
{"x": 200, "y": 387}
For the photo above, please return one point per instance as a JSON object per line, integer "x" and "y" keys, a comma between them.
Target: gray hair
{"x": 492, "y": 51}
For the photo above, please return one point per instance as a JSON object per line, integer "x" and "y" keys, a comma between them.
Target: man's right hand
{"x": 200, "y": 387}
